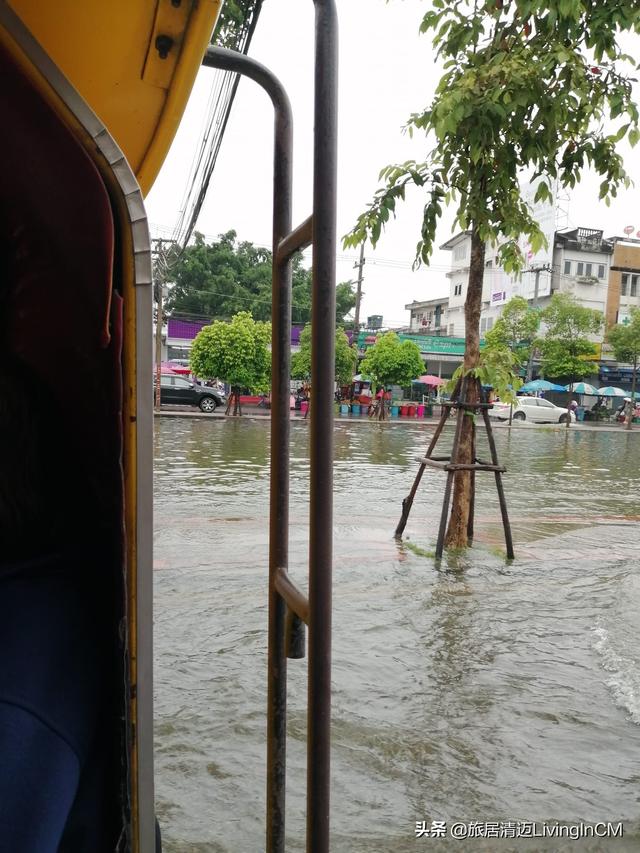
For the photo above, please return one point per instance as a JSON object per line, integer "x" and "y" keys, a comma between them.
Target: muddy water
{"x": 480, "y": 691}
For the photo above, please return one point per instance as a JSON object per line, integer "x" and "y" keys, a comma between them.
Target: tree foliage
{"x": 625, "y": 339}
{"x": 497, "y": 369}
{"x": 231, "y": 22}
{"x": 345, "y": 362}
{"x": 515, "y": 329}
{"x": 390, "y": 362}
{"x": 566, "y": 347}
{"x": 236, "y": 352}
{"x": 220, "y": 278}
{"x": 528, "y": 85}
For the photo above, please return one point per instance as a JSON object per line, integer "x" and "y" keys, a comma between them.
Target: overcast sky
{"x": 387, "y": 70}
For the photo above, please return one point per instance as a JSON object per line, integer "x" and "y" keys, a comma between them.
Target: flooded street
{"x": 480, "y": 691}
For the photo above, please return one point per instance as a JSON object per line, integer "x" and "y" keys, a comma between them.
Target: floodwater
{"x": 481, "y": 690}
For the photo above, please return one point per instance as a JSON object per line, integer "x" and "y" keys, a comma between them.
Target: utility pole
{"x": 356, "y": 319}
{"x": 160, "y": 276}
{"x": 537, "y": 270}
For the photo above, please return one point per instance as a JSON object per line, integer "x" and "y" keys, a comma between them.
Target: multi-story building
{"x": 579, "y": 264}
{"x": 580, "y": 267}
{"x": 458, "y": 275}
{"x": 428, "y": 317}
{"x": 495, "y": 290}
{"x": 624, "y": 280}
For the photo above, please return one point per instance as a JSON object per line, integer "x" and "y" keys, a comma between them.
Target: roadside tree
{"x": 237, "y": 353}
{"x": 514, "y": 332}
{"x": 565, "y": 348}
{"x": 527, "y": 86}
{"x": 515, "y": 329}
{"x": 390, "y": 362}
{"x": 625, "y": 341}
{"x": 220, "y": 278}
{"x": 345, "y": 362}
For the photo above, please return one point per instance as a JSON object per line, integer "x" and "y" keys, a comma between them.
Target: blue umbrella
{"x": 582, "y": 388}
{"x": 611, "y": 391}
{"x": 541, "y": 385}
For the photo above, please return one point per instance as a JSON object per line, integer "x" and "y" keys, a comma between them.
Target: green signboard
{"x": 432, "y": 344}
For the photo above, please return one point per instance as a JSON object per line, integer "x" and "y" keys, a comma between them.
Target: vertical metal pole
{"x": 356, "y": 316}
{"x": 323, "y": 314}
{"x": 279, "y": 497}
{"x": 279, "y": 503}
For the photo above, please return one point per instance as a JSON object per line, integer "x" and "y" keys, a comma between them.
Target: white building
{"x": 575, "y": 262}
{"x": 428, "y": 317}
{"x": 460, "y": 248}
{"x": 495, "y": 290}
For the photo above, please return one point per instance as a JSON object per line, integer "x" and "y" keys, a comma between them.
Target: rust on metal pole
{"x": 323, "y": 317}
{"x": 280, "y": 371}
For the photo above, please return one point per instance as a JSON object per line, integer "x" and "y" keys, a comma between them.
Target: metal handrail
{"x": 289, "y": 608}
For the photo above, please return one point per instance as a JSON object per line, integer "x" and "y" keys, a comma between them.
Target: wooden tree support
{"x": 450, "y": 464}
{"x": 234, "y": 400}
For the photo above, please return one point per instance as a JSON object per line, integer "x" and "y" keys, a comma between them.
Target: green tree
{"x": 565, "y": 347}
{"x": 512, "y": 335}
{"x": 346, "y": 357}
{"x": 390, "y": 362}
{"x": 515, "y": 329}
{"x": 236, "y": 352}
{"x": 232, "y": 21}
{"x": 528, "y": 85}
{"x": 625, "y": 341}
{"x": 220, "y": 278}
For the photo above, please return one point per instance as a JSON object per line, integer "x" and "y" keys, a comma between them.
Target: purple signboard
{"x": 187, "y": 330}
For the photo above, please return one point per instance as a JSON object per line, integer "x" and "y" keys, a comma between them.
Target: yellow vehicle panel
{"x": 134, "y": 63}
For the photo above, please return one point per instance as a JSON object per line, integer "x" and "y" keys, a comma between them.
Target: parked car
{"x": 176, "y": 390}
{"x": 534, "y": 409}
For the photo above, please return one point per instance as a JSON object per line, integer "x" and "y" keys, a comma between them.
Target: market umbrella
{"x": 611, "y": 391}
{"x": 582, "y": 388}
{"x": 362, "y": 377}
{"x": 170, "y": 367}
{"x": 429, "y": 379}
{"x": 541, "y": 385}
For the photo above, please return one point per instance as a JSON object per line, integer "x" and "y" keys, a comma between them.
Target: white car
{"x": 534, "y": 409}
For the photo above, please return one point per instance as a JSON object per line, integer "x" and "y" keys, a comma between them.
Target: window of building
{"x": 634, "y": 286}
{"x": 460, "y": 253}
{"x": 457, "y": 290}
{"x": 567, "y": 267}
{"x": 580, "y": 268}
{"x": 601, "y": 271}
{"x": 489, "y": 323}
{"x": 624, "y": 283}
{"x": 588, "y": 269}
{"x": 489, "y": 264}
{"x": 483, "y": 325}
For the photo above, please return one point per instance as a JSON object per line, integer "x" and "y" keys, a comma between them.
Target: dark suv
{"x": 178, "y": 391}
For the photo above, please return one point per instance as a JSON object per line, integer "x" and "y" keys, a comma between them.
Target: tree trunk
{"x": 633, "y": 395}
{"x": 382, "y": 409}
{"x": 457, "y": 532}
{"x": 234, "y": 400}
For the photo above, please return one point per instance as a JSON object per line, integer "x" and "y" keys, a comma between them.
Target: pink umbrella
{"x": 170, "y": 367}
{"x": 428, "y": 379}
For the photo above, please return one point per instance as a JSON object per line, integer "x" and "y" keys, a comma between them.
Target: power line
{"x": 222, "y": 95}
